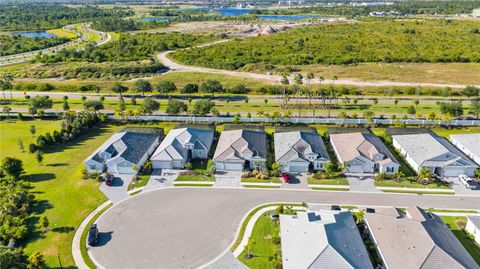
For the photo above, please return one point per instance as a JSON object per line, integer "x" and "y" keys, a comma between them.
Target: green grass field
{"x": 457, "y": 226}
{"x": 61, "y": 193}
{"x": 264, "y": 249}
{"x": 62, "y": 33}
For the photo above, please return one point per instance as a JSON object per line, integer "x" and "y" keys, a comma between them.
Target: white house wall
{"x": 471, "y": 229}
{"x": 98, "y": 167}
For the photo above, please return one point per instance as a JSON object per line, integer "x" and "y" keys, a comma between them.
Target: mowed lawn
{"x": 61, "y": 193}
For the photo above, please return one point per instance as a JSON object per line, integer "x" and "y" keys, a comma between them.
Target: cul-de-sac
{"x": 262, "y": 134}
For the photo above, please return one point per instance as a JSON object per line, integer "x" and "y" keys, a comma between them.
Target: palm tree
{"x": 284, "y": 82}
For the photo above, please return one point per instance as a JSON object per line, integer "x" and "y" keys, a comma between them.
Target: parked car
{"x": 109, "y": 179}
{"x": 93, "y": 235}
{"x": 286, "y": 177}
{"x": 468, "y": 182}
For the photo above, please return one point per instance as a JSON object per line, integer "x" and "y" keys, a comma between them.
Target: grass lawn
{"x": 194, "y": 178}
{"x": 447, "y": 132}
{"x": 410, "y": 184}
{"x": 457, "y": 225}
{"x": 256, "y": 180}
{"x": 452, "y": 211}
{"x": 142, "y": 181}
{"x": 264, "y": 249}
{"x": 62, "y": 33}
{"x": 419, "y": 192}
{"x": 61, "y": 193}
{"x": 333, "y": 181}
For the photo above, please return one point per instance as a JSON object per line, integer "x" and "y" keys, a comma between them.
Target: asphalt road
{"x": 189, "y": 227}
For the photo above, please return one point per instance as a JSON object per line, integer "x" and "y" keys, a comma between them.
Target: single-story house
{"x": 322, "y": 239}
{"x": 300, "y": 151}
{"x": 182, "y": 145}
{"x": 435, "y": 153}
{"x": 473, "y": 227}
{"x": 363, "y": 153}
{"x": 122, "y": 153}
{"x": 468, "y": 144}
{"x": 415, "y": 239}
{"x": 241, "y": 149}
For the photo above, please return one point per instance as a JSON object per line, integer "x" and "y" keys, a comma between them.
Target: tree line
{"x": 28, "y": 16}
{"x": 17, "y": 44}
{"x": 379, "y": 40}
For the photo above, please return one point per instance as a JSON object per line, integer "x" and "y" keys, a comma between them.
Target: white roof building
{"x": 322, "y": 239}
{"x": 468, "y": 144}
{"x": 434, "y": 152}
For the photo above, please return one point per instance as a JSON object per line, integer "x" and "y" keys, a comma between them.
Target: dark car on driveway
{"x": 109, "y": 180}
{"x": 93, "y": 235}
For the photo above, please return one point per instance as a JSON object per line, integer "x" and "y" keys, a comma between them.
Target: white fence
{"x": 298, "y": 120}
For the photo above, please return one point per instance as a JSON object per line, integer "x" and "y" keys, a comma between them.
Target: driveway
{"x": 298, "y": 181}
{"x": 118, "y": 191}
{"x": 230, "y": 179}
{"x": 460, "y": 189}
{"x": 189, "y": 227}
{"x": 362, "y": 183}
{"x": 161, "y": 178}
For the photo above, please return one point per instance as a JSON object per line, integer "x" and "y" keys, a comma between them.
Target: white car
{"x": 468, "y": 182}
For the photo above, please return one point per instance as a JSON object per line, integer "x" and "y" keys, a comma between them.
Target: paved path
{"x": 228, "y": 179}
{"x": 177, "y": 67}
{"x": 189, "y": 227}
{"x": 362, "y": 183}
{"x": 296, "y": 182}
{"x": 161, "y": 179}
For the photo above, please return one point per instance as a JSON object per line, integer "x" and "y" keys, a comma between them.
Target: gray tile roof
{"x": 233, "y": 143}
{"x": 469, "y": 141}
{"x": 173, "y": 146}
{"x": 322, "y": 239}
{"x": 416, "y": 240}
{"x": 431, "y": 150}
{"x": 294, "y": 145}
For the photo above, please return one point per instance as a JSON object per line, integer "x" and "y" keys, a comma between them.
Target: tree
{"x": 411, "y": 110}
{"x": 395, "y": 102}
{"x": 203, "y": 107}
{"x": 416, "y": 102}
{"x": 165, "y": 87}
{"x": 176, "y": 107}
{"x": 32, "y": 148}
{"x": 93, "y": 104}
{"x": 471, "y": 91}
{"x": 35, "y": 261}
{"x": 121, "y": 104}
{"x": 39, "y": 157}
{"x": 119, "y": 88}
{"x": 66, "y": 107}
{"x": 20, "y": 145}
{"x": 454, "y": 109}
{"x": 43, "y": 222}
{"x": 189, "y": 89}
{"x": 12, "y": 167}
{"x": 150, "y": 105}
{"x": 7, "y": 110}
{"x": 38, "y": 102}
{"x": 143, "y": 86}
{"x": 11, "y": 258}
{"x": 33, "y": 130}
{"x": 6, "y": 84}
{"x": 424, "y": 175}
{"x": 475, "y": 108}
{"x": 188, "y": 165}
{"x": 211, "y": 86}
{"x": 284, "y": 81}
{"x": 275, "y": 169}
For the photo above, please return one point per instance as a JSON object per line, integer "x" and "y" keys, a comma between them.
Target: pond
{"x": 36, "y": 34}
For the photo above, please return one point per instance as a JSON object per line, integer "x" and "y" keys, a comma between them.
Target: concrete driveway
{"x": 161, "y": 178}
{"x": 228, "y": 179}
{"x": 118, "y": 191}
{"x": 297, "y": 181}
{"x": 189, "y": 227}
{"x": 362, "y": 183}
{"x": 460, "y": 189}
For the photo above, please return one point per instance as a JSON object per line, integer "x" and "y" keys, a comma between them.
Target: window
{"x": 390, "y": 169}
{"x": 93, "y": 167}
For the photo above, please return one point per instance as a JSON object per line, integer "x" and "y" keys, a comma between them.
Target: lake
{"x": 36, "y": 34}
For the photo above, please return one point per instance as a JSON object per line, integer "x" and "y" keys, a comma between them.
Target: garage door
{"x": 297, "y": 168}
{"x": 161, "y": 165}
{"x": 233, "y": 167}
{"x": 125, "y": 170}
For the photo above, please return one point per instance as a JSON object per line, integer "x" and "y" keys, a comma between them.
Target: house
{"x": 122, "y": 153}
{"x": 363, "y": 153}
{"x": 473, "y": 227}
{"x": 322, "y": 239}
{"x": 435, "y": 153}
{"x": 181, "y": 146}
{"x": 415, "y": 239}
{"x": 300, "y": 151}
{"x": 239, "y": 149}
{"x": 468, "y": 144}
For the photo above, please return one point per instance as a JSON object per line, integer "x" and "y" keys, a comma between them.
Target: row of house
{"x": 331, "y": 239}
{"x": 295, "y": 151}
